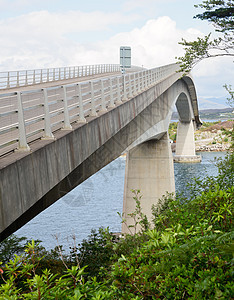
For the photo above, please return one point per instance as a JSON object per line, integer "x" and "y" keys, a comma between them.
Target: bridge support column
{"x": 185, "y": 144}
{"x": 149, "y": 168}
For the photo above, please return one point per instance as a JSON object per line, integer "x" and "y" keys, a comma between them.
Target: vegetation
{"x": 220, "y": 14}
{"x": 186, "y": 253}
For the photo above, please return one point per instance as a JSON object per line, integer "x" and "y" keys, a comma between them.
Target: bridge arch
{"x": 177, "y": 95}
{"x": 54, "y": 167}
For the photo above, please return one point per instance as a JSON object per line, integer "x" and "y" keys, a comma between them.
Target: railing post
{"x": 130, "y": 95}
{"x": 23, "y": 146}
{"x": 119, "y": 101}
{"x": 139, "y": 82}
{"x": 59, "y": 74}
{"x": 48, "y": 75}
{"x": 26, "y": 77}
{"x": 134, "y": 85}
{"x": 41, "y": 77}
{"x": 112, "y": 104}
{"x": 53, "y": 74}
{"x": 103, "y": 103}
{"x": 17, "y": 80}
{"x": 34, "y": 76}
{"x": 47, "y": 132}
{"x": 67, "y": 125}
{"x": 144, "y": 81}
{"x": 148, "y": 79}
{"x": 153, "y": 76}
{"x": 8, "y": 79}
{"x": 81, "y": 106}
{"x": 74, "y": 72}
{"x": 125, "y": 97}
{"x": 93, "y": 108}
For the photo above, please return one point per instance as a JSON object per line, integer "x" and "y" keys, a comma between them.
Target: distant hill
{"x": 207, "y": 103}
{"x": 212, "y": 114}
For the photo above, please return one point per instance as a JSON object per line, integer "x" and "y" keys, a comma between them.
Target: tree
{"x": 220, "y": 13}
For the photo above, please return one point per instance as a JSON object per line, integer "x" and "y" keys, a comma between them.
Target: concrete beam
{"x": 185, "y": 143}
{"x": 30, "y": 182}
{"x": 149, "y": 168}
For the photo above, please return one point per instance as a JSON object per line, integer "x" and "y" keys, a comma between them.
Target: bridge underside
{"x": 49, "y": 172}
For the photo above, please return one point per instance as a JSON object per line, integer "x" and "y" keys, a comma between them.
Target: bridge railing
{"x": 31, "y": 77}
{"x": 38, "y": 114}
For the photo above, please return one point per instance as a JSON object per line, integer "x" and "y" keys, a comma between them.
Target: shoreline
{"x": 207, "y": 148}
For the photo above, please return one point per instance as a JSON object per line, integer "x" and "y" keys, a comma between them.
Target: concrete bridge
{"x": 56, "y": 132}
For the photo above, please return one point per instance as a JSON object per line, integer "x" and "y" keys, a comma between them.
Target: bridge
{"x": 60, "y": 126}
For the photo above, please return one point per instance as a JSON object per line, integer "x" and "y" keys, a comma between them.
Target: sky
{"x": 55, "y": 33}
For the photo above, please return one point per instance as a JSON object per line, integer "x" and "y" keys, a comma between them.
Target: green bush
{"x": 188, "y": 254}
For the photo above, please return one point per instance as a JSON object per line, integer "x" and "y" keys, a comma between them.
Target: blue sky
{"x": 53, "y": 33}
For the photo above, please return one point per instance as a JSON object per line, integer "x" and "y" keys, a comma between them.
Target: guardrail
{"x": 30, "y": 77}
{"x": 37, "y": 114}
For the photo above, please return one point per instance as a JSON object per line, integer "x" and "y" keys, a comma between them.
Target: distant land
{"x": 212, "y": 114}
{"x": 217, "y": 102}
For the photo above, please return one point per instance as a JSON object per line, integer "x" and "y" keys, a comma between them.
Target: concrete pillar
{"x": 185, "y": 143}
{"x": 149, "y": 168}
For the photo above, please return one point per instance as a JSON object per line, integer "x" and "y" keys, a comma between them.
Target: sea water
{"x": 96, "y": 201}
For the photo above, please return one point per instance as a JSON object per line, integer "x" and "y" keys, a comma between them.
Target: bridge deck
{"x": 57, "y": 83}
{"x": 65, "y": 134}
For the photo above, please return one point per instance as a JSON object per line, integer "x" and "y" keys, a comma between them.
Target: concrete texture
{"x": 30, "y": 182}
{"x": 149, "y": 168}
{"x": 185, "y": 143}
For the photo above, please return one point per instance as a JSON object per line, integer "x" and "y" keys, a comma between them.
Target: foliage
{"x": 187, "y": 255}
{"x": 172, "y": 131}
{"x": 94, "y": 252}
{"x": 230, "y": 91}
{"x": 10, "y": 246}
{"x": 21, "y": 280}
{"x": 220, "y": 13}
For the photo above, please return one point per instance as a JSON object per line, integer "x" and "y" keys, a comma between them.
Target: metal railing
{"x": 31, "y": 77}
{"x": 37, "y": 114}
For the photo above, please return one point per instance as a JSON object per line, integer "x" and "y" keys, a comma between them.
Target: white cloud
{"x": 211, "y": 74}
{"x": 39, "y": 39}
{"x": 156, "y": 43}
{"x": 42, "y": 39}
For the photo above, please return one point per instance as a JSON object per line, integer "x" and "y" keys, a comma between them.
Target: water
{"x": 95, "y": 203}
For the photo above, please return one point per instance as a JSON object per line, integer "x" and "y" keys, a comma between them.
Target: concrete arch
{"x": 50, "y": 171}
{"x": 177, "y": 95}
{"x": 149, "y": 163}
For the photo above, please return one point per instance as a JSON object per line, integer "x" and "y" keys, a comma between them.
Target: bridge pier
{"x": 149, "y": 168}
{"x": 185, "y": 144}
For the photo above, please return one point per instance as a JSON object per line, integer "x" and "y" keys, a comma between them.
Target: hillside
{"x": 212, "y": 114}
{"x": 212, "y": 136}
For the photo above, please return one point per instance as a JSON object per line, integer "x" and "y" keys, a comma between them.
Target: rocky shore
{"x": 213, "y": 138}
{"x": 217, "y": 147}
